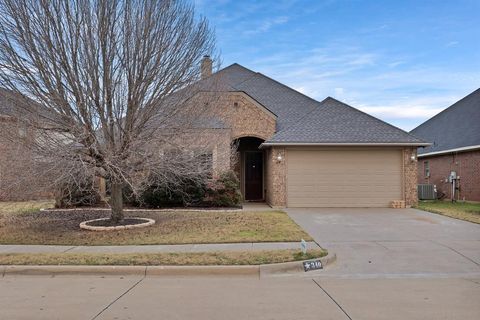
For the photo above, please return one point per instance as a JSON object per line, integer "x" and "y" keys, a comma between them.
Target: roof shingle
{"x": 455, "y": 127}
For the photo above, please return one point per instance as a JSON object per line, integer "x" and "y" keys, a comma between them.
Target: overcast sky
{"x": 401, "y": 61}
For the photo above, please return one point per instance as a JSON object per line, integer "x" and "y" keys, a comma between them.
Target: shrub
{"x": 188, "y": 193}
{"x": 76, "y": 191}
{"x": 225, "y": 191}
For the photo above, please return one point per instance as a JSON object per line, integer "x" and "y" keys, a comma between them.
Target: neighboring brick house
{"x": 455, "y": 137}
{"x": 294, "y": 151}
{"x": 18, "y": 180}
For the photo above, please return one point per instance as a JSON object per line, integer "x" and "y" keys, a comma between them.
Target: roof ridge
{"x": 370, "y": 116}
{"x": 290, "y": 88}
{"x": 476, "y": 91}
{"x": 301, "y": 118}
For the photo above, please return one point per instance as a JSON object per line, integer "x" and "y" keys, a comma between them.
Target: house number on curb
{"x": 312, "y": 265}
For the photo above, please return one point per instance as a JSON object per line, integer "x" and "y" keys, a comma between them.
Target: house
{"x": 455, "y": 150}
{"x": 18, "y": 180}
{"x": 295, "y": 151}
{"x": 289, "y": 149}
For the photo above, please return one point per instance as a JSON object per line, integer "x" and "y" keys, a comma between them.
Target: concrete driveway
{"x": 372, "y": 242}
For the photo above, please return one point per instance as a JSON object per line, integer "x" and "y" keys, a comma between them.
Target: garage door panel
{"x": 343, "y": 178}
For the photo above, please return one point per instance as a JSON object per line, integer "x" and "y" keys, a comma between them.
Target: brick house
{"x": 455, "y": 137}
{"x": 18, "y": 180}
{"x": 294, "y": 151}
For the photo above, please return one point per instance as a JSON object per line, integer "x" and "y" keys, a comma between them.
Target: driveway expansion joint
{"x": 331, "y": 298}
{"x": 457, "y": 252}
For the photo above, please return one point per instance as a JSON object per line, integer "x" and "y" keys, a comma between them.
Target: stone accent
{"x": 410, "y": 177}
{"x": 276, "y": 172}
{"x": 397, "y": 204}
{"x": 465, "y": 164}
{"x": 247, "y": 118}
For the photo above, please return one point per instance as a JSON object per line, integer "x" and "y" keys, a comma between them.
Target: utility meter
{"x": 453, "y": 176}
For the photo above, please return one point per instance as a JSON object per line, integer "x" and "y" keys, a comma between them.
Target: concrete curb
{"x": 203, "y": 271}
{"x": 265, "y": 270}
{"x": 132, "y": 270}
{"x": 74, "y": 270}
{"x": 286, "y": 268}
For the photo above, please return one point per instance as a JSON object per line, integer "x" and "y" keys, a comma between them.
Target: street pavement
{"x": 108, "y": 297}
{"x": 391, "y": 264}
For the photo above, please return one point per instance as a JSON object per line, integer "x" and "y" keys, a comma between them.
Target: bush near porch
{"x": 25, "y": 224}
{"x": 223, "y": 191}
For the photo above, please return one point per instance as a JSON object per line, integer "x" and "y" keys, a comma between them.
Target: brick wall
{"x": 276, "y": 171}
{"x": 410, "y": 176}
{"x": 465, "y": 164}
{"x": 20, "y": 177}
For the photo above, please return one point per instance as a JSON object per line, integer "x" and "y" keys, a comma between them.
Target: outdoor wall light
{"x": 279, "y": 157}
{"x": 413, "y": 158}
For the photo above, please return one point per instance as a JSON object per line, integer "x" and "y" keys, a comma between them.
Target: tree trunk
{"x": 116, "y": 202}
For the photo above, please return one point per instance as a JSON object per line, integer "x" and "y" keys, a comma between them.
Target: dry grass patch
{"x": 19, "y": 207}
{"x": 152, "y": 259}
{"x": 179, "y": 227}
{"x": 459, "y": 210}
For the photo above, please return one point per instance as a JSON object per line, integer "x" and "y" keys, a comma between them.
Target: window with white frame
{"x": 426, "y": 169}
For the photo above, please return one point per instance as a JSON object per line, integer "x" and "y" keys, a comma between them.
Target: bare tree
{"x": 112, "y": 81}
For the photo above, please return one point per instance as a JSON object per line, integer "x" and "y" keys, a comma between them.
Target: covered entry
{"x": 343, "y": 177}
{"x": 250, "y": 168}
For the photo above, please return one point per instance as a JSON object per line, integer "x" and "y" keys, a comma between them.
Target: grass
{"x": 174, "y": 259}
{"x": 25, "y": 224}
{"x": 24, "y": 206}
{"x": 459, "y": 210}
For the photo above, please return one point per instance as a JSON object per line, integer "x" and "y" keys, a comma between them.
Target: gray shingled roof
{"x": 455, "y": 127}
{"x": 333, "y": 121}
{"x": 302, "y": 119}
{"x": 289, "y": 105}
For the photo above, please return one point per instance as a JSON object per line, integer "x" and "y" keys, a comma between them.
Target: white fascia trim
{"x": 449, "y": 151}
{"x": 287, "y": 144}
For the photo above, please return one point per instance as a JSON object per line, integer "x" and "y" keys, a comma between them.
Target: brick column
{"x": 410, "y": 176}
{"x": 276, "y": 177}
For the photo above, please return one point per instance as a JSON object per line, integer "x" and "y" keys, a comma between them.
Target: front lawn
{"x": 459, "y": 210}
{"x": 18, "y": 226}
{"x": 173, "y": 259}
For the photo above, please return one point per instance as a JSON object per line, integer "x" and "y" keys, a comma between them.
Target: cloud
{"x": 266, "y": 25}
{"x": 389, "y": 87}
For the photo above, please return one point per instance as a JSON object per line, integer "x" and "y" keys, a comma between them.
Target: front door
{"x": 253, "y": 175}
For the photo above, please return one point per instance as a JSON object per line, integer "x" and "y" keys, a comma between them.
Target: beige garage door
{"x": 343, "y": 178}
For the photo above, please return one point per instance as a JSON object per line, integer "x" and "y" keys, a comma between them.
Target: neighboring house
{"x": 295, "y": 151}
{"x": 18, "y": 180}
{"x": 455, "y": 137}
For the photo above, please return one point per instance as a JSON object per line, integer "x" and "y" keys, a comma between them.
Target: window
{"x": 426, "y": 169}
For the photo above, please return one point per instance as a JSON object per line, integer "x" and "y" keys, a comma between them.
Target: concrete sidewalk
{"x": 255, "y": 246}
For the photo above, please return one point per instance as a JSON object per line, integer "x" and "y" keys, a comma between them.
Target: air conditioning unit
{"x": 427, "y": 192}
